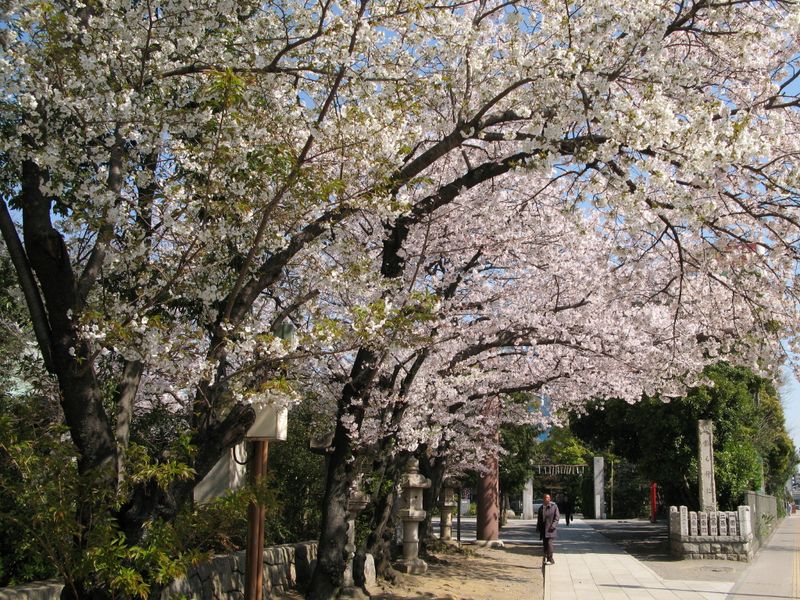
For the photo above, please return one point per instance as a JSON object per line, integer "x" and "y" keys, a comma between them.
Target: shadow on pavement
{"x": 649, "y": 543}
{"x": 582, "y": 540}
{"x": 644, "y": 540}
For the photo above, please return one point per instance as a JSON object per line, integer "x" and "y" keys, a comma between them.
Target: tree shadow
{"x": 644, "y": 540}
{"x": 472, "y": 577}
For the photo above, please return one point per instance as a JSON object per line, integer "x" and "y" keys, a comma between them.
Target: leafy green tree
{"x": 28, "y": 418}
{"x": 40, "y": 488}
{"x": 520, "y": 445}
{"x": 298, "y": 477}
{"x": 31, "y": 541}
{"x": 750, "y": 441}
{"x": 562, "y": 447}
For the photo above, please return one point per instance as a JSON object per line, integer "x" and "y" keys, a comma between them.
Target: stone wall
{"x": 717, "y": 535}
{"x": 36, "y": 590}
{"x": 221, "y": 578}
{"x": 763, "y": 515}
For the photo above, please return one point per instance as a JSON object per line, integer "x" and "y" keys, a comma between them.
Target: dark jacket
{"x": 547, "y": 520}
{"x": 565, "y": 506}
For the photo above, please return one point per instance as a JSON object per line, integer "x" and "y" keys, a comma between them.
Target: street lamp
{"x": 269, "y": 425}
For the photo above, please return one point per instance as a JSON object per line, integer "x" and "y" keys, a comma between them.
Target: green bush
{"x": 36, "y": 509}
{"x": 41, "y": 494}
{"x": 298, "y": 479}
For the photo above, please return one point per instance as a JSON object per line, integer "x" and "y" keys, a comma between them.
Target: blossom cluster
{"x": 491, "y": 198}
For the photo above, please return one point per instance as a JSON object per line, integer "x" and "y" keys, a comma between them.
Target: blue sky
{"x": 790, "y": 391}
{"x": 790, "y": 394}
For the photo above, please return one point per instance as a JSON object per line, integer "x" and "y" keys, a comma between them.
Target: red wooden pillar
{"x": 653, "y": 505}
{"x": 488, "y": 500}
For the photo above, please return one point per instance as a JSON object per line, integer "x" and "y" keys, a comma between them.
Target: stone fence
{"x": 221, "y": 578}
{"x": 763, "y": 515}
{"x": 720, "y": 535}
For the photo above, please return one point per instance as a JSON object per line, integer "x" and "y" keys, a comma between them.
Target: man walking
{"x": 567, "y": 510}
{"x": 546, "y": 523}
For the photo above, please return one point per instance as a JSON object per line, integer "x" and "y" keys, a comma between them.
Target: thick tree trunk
{"x": 488, "y": 506}
{"x": 326, "y": 582}
{"x": 71, "y": 363}
{"x": 488, "y": 521}
{"x": 327, "y": 579}
{"x": 379, "y": 542}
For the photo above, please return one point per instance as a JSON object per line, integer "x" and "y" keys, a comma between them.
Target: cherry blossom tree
{"x": 541, "y": 300}
{"x": 453, "y": 201}
{"x": 654, "y": 123}
{"x": 177, "y": 168}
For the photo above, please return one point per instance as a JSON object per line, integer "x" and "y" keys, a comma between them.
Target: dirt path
{"x": 510, "y": 573}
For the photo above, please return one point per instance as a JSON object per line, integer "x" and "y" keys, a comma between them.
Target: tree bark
{"x": 80, "y": 396}
{"x": 126, "y": 393}
{"x": 326, "y": 582}
{"x": 33, "y": 299}
{"x": 488, "y": 523}
{"x": 379, "y": 541}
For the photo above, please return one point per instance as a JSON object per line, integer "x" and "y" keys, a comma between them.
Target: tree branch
{"x": 33, "y": 299}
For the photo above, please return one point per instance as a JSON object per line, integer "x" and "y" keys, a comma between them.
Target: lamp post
{"x": 270, "y": 425}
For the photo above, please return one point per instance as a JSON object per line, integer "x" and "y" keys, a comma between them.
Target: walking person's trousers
{"x": 548, "y": 548}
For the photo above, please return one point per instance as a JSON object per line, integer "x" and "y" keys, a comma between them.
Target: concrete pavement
{"x": 775, "y": 573}
{"x": 589, "y": 566}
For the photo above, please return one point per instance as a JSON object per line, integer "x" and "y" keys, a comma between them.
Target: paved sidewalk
{"x": 589, "y": 566}
{"x": 775, "y": 573}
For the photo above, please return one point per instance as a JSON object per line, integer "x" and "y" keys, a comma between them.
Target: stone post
{"x": 674, "y": 522}
{"x": 355, "y": 504}
{"x": 527, "y": 501}
{"x": 684, "y": 521}
{"x": 599, "y": 488}
{"x": 448, "y": 504}
{"x": 732, "y": 529}
{"x": 745, "y": 524}
{"x": 411, "y": 513}
{"x": 708, "y": 490}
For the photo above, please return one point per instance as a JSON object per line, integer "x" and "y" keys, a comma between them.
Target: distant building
{"x": 793, "y": 486}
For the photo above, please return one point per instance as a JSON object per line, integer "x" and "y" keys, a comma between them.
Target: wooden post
{"x": 653, "y": 501}
{"x": 254, "y": 577}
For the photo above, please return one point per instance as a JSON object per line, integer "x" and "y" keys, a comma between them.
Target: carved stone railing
{"x": 725, "y": 535}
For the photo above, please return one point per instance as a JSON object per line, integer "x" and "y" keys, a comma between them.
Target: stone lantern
{"x": 411, "y": 513}
{"x": 355, "y": 504}
{"x": 448, "y": 504}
